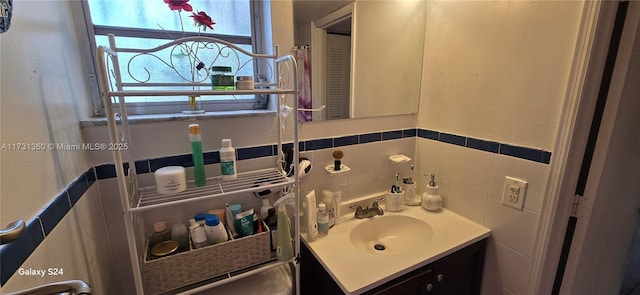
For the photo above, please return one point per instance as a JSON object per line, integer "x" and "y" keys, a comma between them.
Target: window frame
{"x": 87, "y": 32}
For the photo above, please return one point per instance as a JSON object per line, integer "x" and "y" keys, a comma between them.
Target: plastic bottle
{"x": 228, "y": 161}
{"x": 180, "y": 234}
{"x": 311, "y": 216}
{"x": 328, "y": 198}
{"x": 323, "y": 220}
{"x": 264, "y": 210}
{"x": 199, "y": 237}
{"x": 216, "y": 233}
{"x": 193, "y": 224}
{"x": 284, "y": 247}
{"x": 272, "y": 222}
{"x": 160, "y": 234}
{"x": 196, "y": 152}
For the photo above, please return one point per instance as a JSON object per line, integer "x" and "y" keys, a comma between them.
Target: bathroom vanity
{"x": 409, "y": 252}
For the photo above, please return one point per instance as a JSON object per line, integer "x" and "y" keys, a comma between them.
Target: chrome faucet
{"x": 368, "y": 212}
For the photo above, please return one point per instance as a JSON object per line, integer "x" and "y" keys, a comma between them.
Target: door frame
{"x": 591, "y": 54}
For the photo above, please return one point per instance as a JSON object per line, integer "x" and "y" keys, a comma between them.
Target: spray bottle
{"x": 284, "y": 246}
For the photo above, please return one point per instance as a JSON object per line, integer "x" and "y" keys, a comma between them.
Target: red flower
{"x": 202, "y": 19}
{"x": 179, "y": 5}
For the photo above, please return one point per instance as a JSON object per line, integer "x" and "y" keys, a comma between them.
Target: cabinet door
{"x": 459, "y": 273}
{"x": 413, "y": 283}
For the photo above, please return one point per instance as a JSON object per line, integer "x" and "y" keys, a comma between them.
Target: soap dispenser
{"x": 431, "y": 200}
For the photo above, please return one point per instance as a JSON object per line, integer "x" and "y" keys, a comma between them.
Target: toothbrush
{"x": 412, "y": 170}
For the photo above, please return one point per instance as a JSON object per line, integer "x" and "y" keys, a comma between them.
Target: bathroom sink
{"x": 391, "y": 235}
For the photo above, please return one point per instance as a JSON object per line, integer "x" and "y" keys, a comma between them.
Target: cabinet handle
{"x": 440, "y": 277}
{"x": 429, "y": 287}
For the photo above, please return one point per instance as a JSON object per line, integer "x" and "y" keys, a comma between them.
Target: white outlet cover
{"x": 512, "y": 184}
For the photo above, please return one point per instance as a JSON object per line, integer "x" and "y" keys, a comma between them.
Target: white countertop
{"x": 357, "y": 271}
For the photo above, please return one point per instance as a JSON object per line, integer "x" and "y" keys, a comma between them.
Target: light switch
{"x": 514, "y": 192}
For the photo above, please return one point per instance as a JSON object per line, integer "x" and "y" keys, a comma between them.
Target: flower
{"x": 179, "y": 5}
{"x": 202, "y": 20}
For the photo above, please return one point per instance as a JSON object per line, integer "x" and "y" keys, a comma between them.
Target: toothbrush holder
{"x": 394, "y": 201}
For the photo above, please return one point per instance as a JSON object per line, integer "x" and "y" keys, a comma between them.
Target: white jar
{"x": 216, "y": 232}
{"x": 244, "y": 83}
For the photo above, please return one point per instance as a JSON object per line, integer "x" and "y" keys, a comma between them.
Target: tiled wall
{"x": 471, "y": 182}
{"x": 469, "y": 171}
{"x": 13, "y": 255}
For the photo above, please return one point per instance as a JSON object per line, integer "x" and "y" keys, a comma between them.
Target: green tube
{"x": 196, "y": 151}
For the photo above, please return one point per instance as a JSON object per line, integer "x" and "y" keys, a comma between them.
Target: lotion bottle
{"x": 228, "y": 161}
{"x": 215, "y": 230}
{"x": 311, "y": 216}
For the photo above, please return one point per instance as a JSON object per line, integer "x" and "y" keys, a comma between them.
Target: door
{"x": 338, "y": 55}
{"x": 607, "y": 214}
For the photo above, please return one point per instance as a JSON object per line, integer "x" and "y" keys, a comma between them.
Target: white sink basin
{"x": 412, "y": 238}
{"x": 391, "y": 235}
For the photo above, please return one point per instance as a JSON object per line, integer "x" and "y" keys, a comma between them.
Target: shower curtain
{"x": 304, "y": 82}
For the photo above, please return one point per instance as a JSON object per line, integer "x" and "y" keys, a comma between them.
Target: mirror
{"x": 365, "y": 56}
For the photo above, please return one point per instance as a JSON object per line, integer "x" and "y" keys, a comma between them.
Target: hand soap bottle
{"x": 431, "y": 200}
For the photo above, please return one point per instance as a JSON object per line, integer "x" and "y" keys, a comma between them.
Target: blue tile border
{"x": 14, "y": 254}
{"x": 370, "y": 137}
{"x": 525, "y": 153}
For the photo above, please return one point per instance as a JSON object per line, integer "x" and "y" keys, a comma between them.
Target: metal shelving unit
{"x": 135, "y": 199}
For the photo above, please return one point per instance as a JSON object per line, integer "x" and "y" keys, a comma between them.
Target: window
{"x": 146, "y": 24}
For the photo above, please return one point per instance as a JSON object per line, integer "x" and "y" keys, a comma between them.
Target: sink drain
{"x": 379, "y": 247}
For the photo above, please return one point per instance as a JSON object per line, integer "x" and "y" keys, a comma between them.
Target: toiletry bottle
{"x": 244, "y": 222}
{"x": 180, "y": 234}
{"x": 284, "y": 245}
{"x": 311, "y": 216}
{"x": 199, "y": 237}
{"x": 431, "y": 200}
{"x": 196, "y": 152}
{"x": 272, "y": 222}
{"x": 216, "y": 233}
{"x": 264, "y": 210}
{"x": 228, "y": 161}
{"x": 193, "y": 224}
{"x": 323, "y": 220}
{"x": 160, "y": 234}
{"x": 328, "y": 198}
{"x": 229, "y": 214}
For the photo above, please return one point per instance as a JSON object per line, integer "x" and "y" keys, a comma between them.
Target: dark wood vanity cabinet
{"x": 459, "y": 273}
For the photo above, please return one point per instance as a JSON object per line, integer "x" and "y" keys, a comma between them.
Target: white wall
{"x": 498, "y": 71}
{"x": 43, "y": 96}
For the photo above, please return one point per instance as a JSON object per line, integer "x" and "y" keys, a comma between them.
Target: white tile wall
{"x": 471, "y": 183}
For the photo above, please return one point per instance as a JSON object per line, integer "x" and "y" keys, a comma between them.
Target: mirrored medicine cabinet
{"x": 365, "y": 55}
